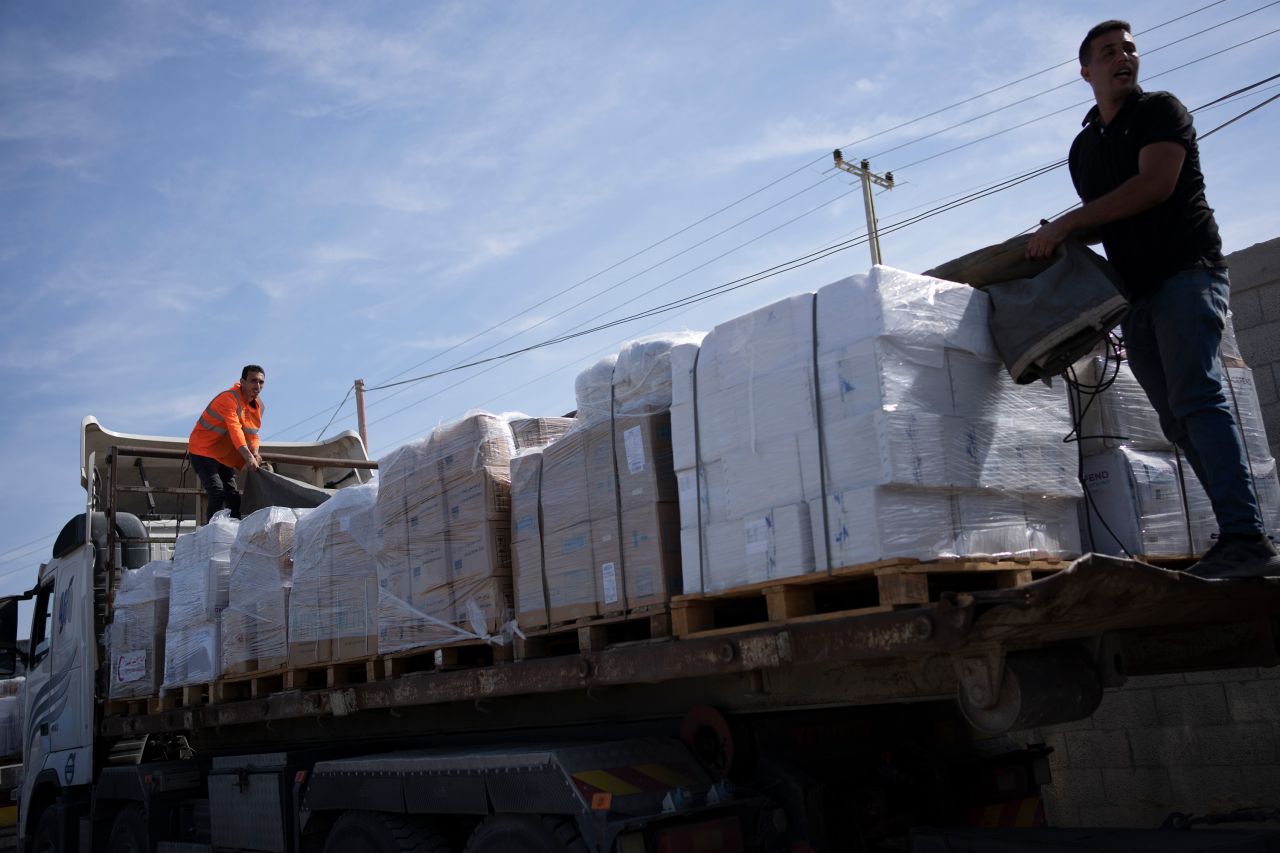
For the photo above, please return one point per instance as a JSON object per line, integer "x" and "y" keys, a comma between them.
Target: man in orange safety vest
{"x": 225, "y": 439}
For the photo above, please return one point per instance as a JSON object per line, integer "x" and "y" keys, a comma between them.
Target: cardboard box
{"x": 531, "y": 433}
{"x": 564, "y": 484}
{"x": 878, "y": 523}
{"x": 776, "y": 543}
{"x": 644, "y": 455}
{"x": 651, "y": 554}
{"x": 1138, "y": 494}
{"x": 571, "y": 572}
{"x": 881, "y": 374}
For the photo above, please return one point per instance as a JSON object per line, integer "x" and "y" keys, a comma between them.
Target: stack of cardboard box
{"x": 596, "y": 523}
{"x": 199, "y": 584}
{"x": 135, "y": 640}
{"x": 334, "y": 599}
{"x": 444, "y": 535}
{"x": 1143, "y": 498}
{"x": 869, "y": 420}
{"x": 255, "y": 623}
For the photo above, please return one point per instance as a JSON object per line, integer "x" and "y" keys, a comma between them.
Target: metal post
{"x": 863, "y": 171}
{"x": 364, "y": 433}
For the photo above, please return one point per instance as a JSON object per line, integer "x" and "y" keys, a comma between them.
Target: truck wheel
{"x": 129, "y": 832}
{"x": 375, "y": 832}
{"x": 510, "y": 833}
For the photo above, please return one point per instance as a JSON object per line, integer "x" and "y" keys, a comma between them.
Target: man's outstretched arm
{"x": 1158, "y": 167}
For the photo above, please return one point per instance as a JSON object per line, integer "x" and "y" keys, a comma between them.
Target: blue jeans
{"x": 1172, "y": 338}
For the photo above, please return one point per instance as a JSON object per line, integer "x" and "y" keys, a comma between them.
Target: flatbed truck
{"x": 810, "y": 734}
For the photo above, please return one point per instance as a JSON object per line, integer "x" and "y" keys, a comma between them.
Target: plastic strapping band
{"x": 1186, "y": 504}
{"x": 542, "y": 551}
{"x": 697, "y": 478}
{"x": 822, "y": 441}
{"x": 621, "y": 578}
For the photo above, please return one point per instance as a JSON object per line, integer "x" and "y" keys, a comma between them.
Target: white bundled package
{"x": 907, "y": 307}
{"x": 1118, "y": 415}
{"x": 255, "y": 622}
{"x": 1136, "y": 504}
{"x": 135, "y": 640}
{"x": 334, "y": 598}
{"x": 1242, "y": 396}
{"x": 876, "y": 522}
{"x": 199, "y": 586}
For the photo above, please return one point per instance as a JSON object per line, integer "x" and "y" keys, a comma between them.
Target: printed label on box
{"x": 633, "y": 441}
{"x": 131, "y": 666}
{"x": 610, "y": 583}
{"x": 757, "y": 536}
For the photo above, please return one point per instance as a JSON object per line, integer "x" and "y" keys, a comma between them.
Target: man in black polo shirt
{"x": 1136, "y": 167}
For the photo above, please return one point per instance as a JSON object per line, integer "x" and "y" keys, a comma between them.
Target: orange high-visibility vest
{"x": 226, "y": 425}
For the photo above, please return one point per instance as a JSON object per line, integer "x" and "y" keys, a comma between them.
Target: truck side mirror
{"x": 9, "y": 651}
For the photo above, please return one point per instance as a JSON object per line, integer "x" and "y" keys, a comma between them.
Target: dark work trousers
{"x": 219, "y": 483}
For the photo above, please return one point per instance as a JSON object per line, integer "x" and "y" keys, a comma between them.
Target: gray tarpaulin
{"x": 267, "y": 488}
{"x": 1044, "y": 315}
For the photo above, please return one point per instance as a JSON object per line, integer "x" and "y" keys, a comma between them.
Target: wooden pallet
{"x": 466, "y": 654}
{"x": 646, "y": 624}
{"x": 331, "y": 674}
{"x": 250, "y": 685}
{"x": 848, "y": 591}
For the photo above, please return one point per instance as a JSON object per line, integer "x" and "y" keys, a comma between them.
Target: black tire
{"x": 45, "y": 838}
{"x": 511, "y": 833}
{"x": 375, "y": 832}
{"x": 129, "y": 832}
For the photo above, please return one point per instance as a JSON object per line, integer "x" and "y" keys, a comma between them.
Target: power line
{"x": 775, "y": 182}
{"x": 821, "y": 254}
{"x": 335, "y": 413}
{"x": 497, "y": 344}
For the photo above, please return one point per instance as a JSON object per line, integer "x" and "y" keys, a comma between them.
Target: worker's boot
{"x": 1239, "y": 555}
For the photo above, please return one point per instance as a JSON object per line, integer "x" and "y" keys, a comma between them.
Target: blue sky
{"x": 358, "y": 189}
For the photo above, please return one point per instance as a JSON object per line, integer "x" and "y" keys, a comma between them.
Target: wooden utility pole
{"x": 364, "y": 432}
{"x": 863, "y": 171}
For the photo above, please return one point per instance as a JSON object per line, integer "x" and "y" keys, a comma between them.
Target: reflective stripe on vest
{"x": 249, "y": 430}
{"x": 219, "y": 430}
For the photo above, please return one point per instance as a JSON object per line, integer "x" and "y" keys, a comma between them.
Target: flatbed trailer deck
{"x": 1124, "y": 617}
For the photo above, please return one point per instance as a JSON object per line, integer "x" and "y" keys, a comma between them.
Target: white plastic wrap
{"x": 444, "y": 536}
{"x": 135, "y": 639}
{"x": 334, "y": 598}
{"x": 532, "y": 433}
{"x": 905, "y": 306}
{"x": 255, "y": 623}
{"x": 12, "y": 716}
{"x": 199, "y": 586}
{"x": 1242, "y": 396}
{"x": 902, "y": 396}
{"x": 1119, "y": 415}
{"x": 608, "y": 539}
{"x": 1136, "y": 503}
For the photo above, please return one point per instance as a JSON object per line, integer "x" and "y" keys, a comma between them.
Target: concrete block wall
{"x": 1255, "y": 305}
{"x": 1194, "y": 743}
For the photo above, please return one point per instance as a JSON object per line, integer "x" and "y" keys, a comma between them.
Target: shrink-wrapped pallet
{"x": 135, "y": 641}
{"x": 595, "y": 518}
{"x": 443, "y": 544}
{"x": 867, "y": 421}
{"x": 255, "y": 623}
{"x": 199, "y": 585}
{"x": 333, "y": 601}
